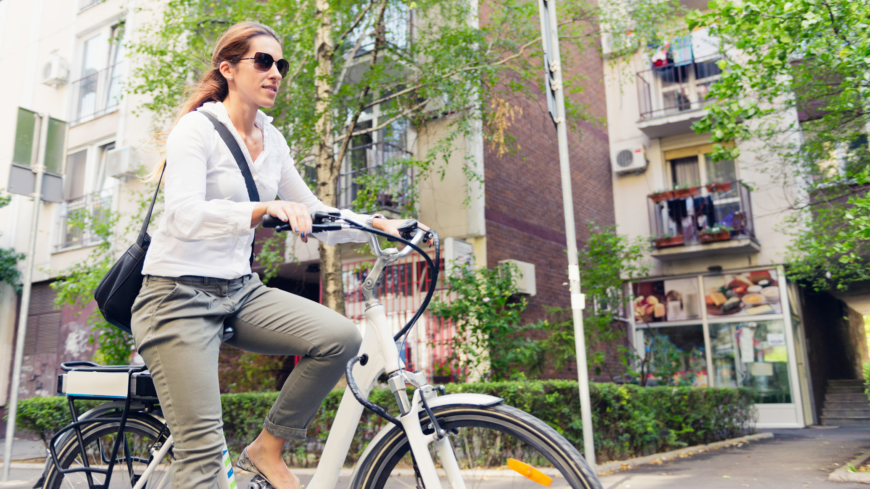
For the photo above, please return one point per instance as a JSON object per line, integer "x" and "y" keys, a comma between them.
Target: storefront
{"x": 726, "y": 329}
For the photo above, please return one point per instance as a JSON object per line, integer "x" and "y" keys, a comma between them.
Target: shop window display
{"x": 752, "y": 354}
{"x": 673, "y": 355}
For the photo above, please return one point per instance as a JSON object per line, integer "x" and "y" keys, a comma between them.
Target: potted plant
{"x": 666, "y": 240}
{"x": 660, "y": 195}
{"x": 684, "y": 190}
{"x": 716, "y": 233}
{"x": 442, "y": 373}
{"x": 717, "y": 186}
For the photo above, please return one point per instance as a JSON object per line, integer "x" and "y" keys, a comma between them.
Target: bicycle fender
{"x": 95, "y": 413}
{"x": 463, "y": 399}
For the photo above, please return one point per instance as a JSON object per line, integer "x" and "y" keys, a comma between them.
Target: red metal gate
{"x": 402, "y": 290}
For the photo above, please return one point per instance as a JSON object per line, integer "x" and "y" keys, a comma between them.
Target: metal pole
{"x": 25, "y": 295}
{"x": 578, "y": 300}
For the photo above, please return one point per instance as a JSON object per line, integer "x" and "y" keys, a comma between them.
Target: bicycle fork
{"x": 420, "y": 442}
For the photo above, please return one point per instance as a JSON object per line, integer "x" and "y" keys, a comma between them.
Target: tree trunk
{"x": 324, "y": 159}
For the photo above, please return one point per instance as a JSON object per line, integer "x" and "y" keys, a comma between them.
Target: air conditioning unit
{"x": 629, "y": 159}
{"x": 525, "y": 283}
{"x": 122, "y": 162}
{"x": 55, "y": 72}
{"x": 457, "y": 253}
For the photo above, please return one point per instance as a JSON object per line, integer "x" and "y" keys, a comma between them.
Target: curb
{"x": 602, "y": 469}
{"x": 844, "y": 475}
{"x": 631, "y": 463}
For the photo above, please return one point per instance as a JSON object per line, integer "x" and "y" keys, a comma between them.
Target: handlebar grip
{"x": 271, "y": 222}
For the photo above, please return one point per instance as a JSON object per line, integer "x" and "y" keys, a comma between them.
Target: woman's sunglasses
{"x": 264, "y": 62}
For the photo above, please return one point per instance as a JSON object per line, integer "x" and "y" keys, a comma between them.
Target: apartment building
{"x": 718, "y": 297}
{"x": 71, "y": 64}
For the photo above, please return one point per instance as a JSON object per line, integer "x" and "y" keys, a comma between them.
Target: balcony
{"x": 96, "y": 94}
{"x": 80, "y": 217}
{"x": 701, "y": 221}
{"x": 672, "y": 97}
{"x": 380, "y": 167}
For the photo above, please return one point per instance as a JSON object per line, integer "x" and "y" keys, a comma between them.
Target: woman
{"x": 198, "y": 276}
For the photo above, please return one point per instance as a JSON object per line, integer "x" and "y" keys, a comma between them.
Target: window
{"x": 673, "y": 355}
{"x": 98, "y": 89}
{"x": 43, "y": 322}
{"x": 754, "y": 355}
{"x": 87, "y": 196}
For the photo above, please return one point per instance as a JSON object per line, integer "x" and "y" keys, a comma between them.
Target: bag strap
{"x": 142, "y": 232}
{"x": 237, "y": 154}
{"x": 233, "y": 145}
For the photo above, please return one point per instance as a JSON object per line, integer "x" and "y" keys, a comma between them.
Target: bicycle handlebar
{"x": 324, "y": 222}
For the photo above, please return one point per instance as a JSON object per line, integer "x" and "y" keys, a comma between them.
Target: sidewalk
{"x": 24, "y": 450}
{"x": 791, "y": 459}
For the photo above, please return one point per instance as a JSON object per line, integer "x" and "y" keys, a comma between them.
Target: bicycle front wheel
{"x": 142, "y": 433}
{"x": 494, "y": 446}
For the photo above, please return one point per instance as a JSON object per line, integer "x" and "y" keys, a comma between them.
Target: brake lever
{"x": 406, "y": 231}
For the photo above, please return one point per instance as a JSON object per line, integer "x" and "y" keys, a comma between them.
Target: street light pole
{"x": 556, "y": 104}
{"x": 25, "y": 295}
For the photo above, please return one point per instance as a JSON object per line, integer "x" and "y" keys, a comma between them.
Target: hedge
{"x": 629, "y": 421}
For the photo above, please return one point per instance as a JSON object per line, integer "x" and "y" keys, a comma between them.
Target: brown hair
{"x": 212, "y": 86}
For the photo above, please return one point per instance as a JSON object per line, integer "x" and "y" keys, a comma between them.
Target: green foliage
{"x": 809, "y": 56}
{"x": 607, "y": 262}
{"x": 485, "y": 314}
{"x": 439, "y": 71}
{"x": 9, "y": 259}
{"x": 866, "y": 369}
{"x": 629, "y": 421}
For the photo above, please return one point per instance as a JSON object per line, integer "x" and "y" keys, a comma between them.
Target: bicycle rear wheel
{"x": 141, "y": 433}
{"x": 491, "y": 445}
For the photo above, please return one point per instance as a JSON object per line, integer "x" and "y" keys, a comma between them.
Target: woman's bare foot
{"x": 265, "y": 454}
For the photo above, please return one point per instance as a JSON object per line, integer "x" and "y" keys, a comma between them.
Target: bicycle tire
{"x": 375, "y": 471}
{"x": 146, "y": 427}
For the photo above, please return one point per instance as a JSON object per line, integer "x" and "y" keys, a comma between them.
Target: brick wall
{"x": 524, "y": 210}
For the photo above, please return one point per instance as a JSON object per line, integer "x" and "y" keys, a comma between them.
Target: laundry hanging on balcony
{"x": 682, "y": 50}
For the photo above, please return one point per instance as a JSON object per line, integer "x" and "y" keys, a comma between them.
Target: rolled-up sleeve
{"x": 188, "y": 215}
{"x": 293, "y": 188}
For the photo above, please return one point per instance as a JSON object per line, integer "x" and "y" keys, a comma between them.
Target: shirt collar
{"x": 219, "y": 110}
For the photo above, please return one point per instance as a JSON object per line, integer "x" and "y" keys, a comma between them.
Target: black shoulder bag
{"x": 120, "y": 287}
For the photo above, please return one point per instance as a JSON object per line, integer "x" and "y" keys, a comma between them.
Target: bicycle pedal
{"x": 258, "y": 482}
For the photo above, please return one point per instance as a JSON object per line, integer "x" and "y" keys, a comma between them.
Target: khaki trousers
{"x": 177, "y": 324}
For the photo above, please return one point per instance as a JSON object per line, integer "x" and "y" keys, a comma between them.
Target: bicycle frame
{"x": 378, "y": 354}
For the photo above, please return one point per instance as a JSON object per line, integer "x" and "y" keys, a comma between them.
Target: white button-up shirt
{"x": 206, "y": 225}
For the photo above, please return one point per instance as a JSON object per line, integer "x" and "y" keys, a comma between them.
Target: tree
{"x": 9, "y": 259}
{"x": 809, "y": 56}
{"x": 419, "y": 63}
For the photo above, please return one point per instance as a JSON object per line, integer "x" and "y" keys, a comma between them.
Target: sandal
{"x": 244, "y": 463}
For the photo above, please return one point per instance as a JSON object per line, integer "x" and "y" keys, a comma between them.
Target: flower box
{"x": 685, "y": 192}
{"x": 672, "y": 241}
{"x": 719, "y": 187}
{"x": 720, "y": 236}
{"x": 667, "y": 195}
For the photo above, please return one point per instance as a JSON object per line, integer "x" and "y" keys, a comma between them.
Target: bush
{"x": 629, "y": 421}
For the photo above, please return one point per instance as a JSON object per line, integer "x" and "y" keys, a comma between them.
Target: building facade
{"x": 71, "y": 57}
{"x": 718, "y": 300}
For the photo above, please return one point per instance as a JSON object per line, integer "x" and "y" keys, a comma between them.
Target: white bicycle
{"x": 472, "y": 440}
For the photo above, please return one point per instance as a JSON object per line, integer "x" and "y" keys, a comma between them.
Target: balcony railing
{"x": 701, "y": 215}
{"x": 79, "y": 216}
{"x": 382, "y": 165}
{"x": 97, "y": 93}
{"x": 84, "y": 4}
{"x": 670, "y": 89}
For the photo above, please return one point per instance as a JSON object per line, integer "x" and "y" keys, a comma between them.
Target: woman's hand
{"x": 295, "y": 214}
{"x": 392, "y": 226}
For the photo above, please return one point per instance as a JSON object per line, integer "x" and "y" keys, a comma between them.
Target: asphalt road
{"x": 791, "y": 459}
